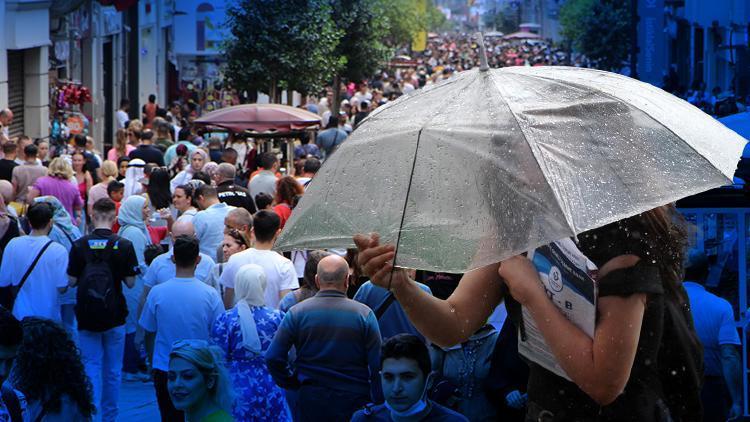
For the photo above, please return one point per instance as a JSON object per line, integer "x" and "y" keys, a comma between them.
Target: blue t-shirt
{"x": 714, "y": 323}
{"x": 163, "y": 269}
{"x": 394, "y": 320}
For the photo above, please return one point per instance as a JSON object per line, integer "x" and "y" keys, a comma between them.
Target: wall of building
{"x": 26, "y": 27}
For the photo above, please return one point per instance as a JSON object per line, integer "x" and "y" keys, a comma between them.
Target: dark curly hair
{"x": 48, "y": 367}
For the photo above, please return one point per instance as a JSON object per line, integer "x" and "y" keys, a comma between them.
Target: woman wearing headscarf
{"x": 244, "y": 333}
{"x": 65, "y": 233}
{"x": 133, "y": 176}
{"x": 198, "y": 159}
{"x": 134, "y": 212}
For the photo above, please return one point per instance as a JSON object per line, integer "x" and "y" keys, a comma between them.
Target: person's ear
{"x": 198, "y": 260}
{"x": 210, "y": 381}
{"x": 317, "y": 281}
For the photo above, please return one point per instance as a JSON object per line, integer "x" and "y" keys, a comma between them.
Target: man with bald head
{"x": 338, "y": 349}
{"x": 231, "y": 193}
{"x": 6, "y": 118}
{"x": 163, "y": 268}
{"x": 237, "y": 219}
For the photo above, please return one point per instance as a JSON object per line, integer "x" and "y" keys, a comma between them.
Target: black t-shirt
{"x": 643, "y": 397}
{"x": 123, "y": 263}
{"x": 148, "y": 153}
{"x": 6, "y": 169}
{"x": 236, "y": 196}
{"x": 442, "y": 285}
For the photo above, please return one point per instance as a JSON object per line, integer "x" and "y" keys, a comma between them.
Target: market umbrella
{"x": 491, "y": 163}
{"x": 261, "y": 118}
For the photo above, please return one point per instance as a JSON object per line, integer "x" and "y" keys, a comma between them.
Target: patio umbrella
{"x": 491, "y": 163}
{"x": 261, "y": 118}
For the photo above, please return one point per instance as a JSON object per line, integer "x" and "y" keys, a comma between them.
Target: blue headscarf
{"x": 62, "y": 222}
{"x": 131, "y": 215}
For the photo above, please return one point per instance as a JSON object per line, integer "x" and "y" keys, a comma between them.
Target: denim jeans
{"x": 102, "y": 357}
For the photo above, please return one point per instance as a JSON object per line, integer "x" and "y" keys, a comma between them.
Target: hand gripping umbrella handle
{"x": 483, "y": 66}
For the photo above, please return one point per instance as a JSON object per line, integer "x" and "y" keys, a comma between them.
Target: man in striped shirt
{"x": 338, "y": 349}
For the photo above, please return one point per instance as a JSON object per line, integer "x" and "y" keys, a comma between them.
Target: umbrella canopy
{"x": 522, "y": 35}
{"x": 260, "y": 118}
{"x": 490, "y": 164}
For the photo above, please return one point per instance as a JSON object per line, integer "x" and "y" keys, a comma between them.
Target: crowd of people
{"x": 153, "y": 262}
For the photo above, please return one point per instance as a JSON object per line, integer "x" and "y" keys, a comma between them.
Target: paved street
{"x": 138, "y": 402}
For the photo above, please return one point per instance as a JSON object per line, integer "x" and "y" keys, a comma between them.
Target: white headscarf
{"x": 249, "y": 287}
{"x": 133, "y": 176}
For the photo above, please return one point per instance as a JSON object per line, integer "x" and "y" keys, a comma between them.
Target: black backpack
{"x": 98, "y": 299}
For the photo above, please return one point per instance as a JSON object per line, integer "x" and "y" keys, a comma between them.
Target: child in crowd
{"x": 116, "y": 190}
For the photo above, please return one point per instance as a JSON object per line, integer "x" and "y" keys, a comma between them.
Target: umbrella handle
{"x": 483, "y": 66}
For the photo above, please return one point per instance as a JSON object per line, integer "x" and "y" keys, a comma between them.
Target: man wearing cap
{"x": 714, "y": 323}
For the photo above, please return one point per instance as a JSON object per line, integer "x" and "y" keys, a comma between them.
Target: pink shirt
{"x": 112, "y": 153}
{"x": 61, "y": 189}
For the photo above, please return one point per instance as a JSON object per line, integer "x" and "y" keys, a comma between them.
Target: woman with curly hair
{"x": 288, "y": 190}
{"x": 198, "y": 382}
{"x": 49, "y": 372}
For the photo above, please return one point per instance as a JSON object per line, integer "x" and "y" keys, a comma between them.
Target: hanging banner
{"x": 652, "y": 42}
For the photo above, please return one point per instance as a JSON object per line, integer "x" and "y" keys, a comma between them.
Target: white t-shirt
{"x": 179, "y": 309}
{"x": 122, "y": 118}
{"x": 38, "y": 296}
{"x": 280, "y": 272}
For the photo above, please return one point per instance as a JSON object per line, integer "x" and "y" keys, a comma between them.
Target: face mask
{"x": 417, "y": 407}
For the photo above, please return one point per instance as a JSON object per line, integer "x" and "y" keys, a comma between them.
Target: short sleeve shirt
{"x": 280, "y": 272}
{"x": 38, "y": 296}
{"x": 162, "y": 269}
{"x": 123, "y": 263}
{"x": 180, "y": 309}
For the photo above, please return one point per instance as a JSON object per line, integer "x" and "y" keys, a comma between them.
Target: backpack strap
{"x": 31, "y": 267}
{"x": 70, "y": 239}
{"x": 12, "y": 404}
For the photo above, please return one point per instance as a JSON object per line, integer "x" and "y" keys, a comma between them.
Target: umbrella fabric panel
{"x": 613, "y": 161}
{"x": 477, "y": 189}
{"x": 358, "y": 202}
{"x": 686, "y": 121}
{"x": 260, "y": 118}
{"x": 362, "y": 199}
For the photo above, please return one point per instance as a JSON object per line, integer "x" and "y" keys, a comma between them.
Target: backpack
{"x": 681, "y": 363}
{"x": 98, "y": 300}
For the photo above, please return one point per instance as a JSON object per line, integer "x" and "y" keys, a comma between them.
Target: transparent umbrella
{"x": 492, "y": 163}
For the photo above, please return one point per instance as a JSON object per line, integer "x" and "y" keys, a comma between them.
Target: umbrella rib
{"x": 630, "y": 104}
{"x": 539, "y": 161}
{"x": 406, "y": 203}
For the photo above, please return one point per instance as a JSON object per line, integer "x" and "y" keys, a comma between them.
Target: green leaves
{"x": 599, "y": 29}
{"x": 303, "y": 44}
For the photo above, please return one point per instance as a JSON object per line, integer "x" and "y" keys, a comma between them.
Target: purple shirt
{"x": 64, "y": 190}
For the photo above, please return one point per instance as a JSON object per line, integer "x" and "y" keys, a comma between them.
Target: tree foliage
{"x": 600, "y": 29}
{"x": 406, "y": 18}
{"x": 297, "y": 53}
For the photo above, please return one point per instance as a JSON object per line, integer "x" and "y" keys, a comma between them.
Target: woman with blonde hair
{"x": 99, "y": 190}
{"x": 121, "y": 147}
{"x": 198, "y": 383}
{"x": 244, "y": 333}
{"x": 57, "y": 183}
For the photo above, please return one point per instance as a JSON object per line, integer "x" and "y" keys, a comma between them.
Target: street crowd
{"x": 154, "y": 262}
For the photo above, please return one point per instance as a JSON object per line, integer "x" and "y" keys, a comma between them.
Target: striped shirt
{"x": 337, "y": 342}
